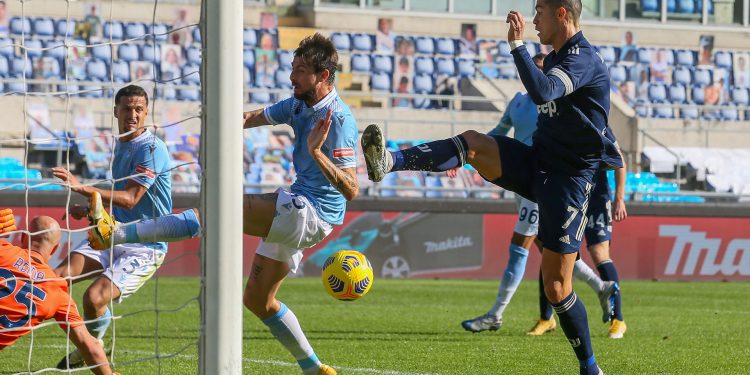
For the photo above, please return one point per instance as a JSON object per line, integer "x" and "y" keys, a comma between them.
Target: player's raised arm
{"x": 254, "y": 118}
{"x": 279, "y": 113}
{"x": 344, "y": 178}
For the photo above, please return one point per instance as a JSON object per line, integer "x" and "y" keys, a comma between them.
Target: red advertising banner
{"x": 457, "y": 245}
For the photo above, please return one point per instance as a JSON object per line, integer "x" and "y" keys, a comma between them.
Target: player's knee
{"x": 554, "y": 291}
{"x": 477, "y": 143}
{"x": 256, "y": 305}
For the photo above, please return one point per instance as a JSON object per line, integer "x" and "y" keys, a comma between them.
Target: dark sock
{"x": 572, "y": 315}
{"x": 608, "y": 272}
{"x": 545, "y": 308}
{"x": 436, "y": 156}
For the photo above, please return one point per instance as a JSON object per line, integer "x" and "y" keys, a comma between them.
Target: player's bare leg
{"x": 77, "y": 264}
{"x": 605, "y": 266}
{"x": 258, "y": 213}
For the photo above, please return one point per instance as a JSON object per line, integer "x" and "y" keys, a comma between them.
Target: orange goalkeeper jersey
{"x": 25, "y": 304}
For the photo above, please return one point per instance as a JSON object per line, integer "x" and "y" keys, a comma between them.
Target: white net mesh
{"x": 61, "y": 64}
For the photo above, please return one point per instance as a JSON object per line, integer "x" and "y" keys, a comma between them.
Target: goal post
{"x": 222, "y": 182}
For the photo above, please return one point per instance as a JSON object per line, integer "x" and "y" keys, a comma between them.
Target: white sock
{"x": 583, "y": 272}
{"x": 285, "y": 327}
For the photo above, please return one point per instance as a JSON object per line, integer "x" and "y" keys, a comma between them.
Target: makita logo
{"x": 549, "y": 108}
{"x": 456, "y": 242}
{"x": 691, "y": 247}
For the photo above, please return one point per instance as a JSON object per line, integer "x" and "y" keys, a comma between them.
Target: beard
{"x": 305, "y": 95}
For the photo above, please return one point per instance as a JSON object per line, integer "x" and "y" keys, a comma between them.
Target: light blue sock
{"x": 98, "y": 327}
{"x": 285, "y": 327}
{"x": 511, "y": 279}
{"x": 168, "y": 228}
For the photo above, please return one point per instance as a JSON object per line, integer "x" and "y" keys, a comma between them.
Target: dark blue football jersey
{"x": 572, "y": 97}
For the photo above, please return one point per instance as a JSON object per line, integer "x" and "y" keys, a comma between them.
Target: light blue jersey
{"x": 147, "y": 157}
{"x": 339, "y": 147}
{"x": 520, "y": 114}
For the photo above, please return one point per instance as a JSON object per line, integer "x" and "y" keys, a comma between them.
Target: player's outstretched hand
{"x": 452, "y": 173}
{"x": 7, "y": 221}
{"x": 517, "y": 25}
{"x": 619, "y": 211}
{"x": 66, "y": 176}
{"x": 77, "y": 212}
{"x": 319, "y": 133}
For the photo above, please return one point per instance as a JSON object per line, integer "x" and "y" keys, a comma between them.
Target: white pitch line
{"x": 364, "y": 370}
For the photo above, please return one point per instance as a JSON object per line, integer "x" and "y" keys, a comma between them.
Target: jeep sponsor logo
{"x": 689, "y": 246}
{"x": 549, "y": 108}
{"x": 452, "y": 243}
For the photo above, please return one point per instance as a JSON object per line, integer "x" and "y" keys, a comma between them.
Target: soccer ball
{"x": 347, "y": 275}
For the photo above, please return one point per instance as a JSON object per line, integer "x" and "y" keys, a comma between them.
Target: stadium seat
{"x": 128, "y": 52}
{"x": 151, "y": 53}
{"x": 250, "y": 37}
{"x": 380, "y": 82}
{"x": 248, "y": 57}
{"x": 698, "y": 94}
{"x": 53, "y": 48}
{"x": 71, "y": 88}
{"x": 508, "y": 69}
{"x": 159, "y": 32}
{"x": 193, "y": 55}
{"x": 682, "y": 75}
{"x": 702, "y": 77}
{"x": 650, "y": 5}
{"x": 260, "y": 97}
{"x": 618, "y": 73}
{"x": 740, "y": 96}
{"x": 17, "y": 68}
{"x": 382, "y": 63}
{"x": 657, "y": 92}
{"x": 361, "y": 63}
{"x": 689, "y": 113}
{"x": 685, "y": 6}
{"x": 424, "y": 65}
{"x": 4, "y": 67}
{"x": 466, "y": 67}
{"x": 422, "y": 103}
{"x": 423, "y": 83}
{"x": 729, "y": 113}
{"x": 19, "y": 26}
{"x": 445, "y": 46}
{"x": 65, "y": 28}
{"x": 677, "y": 93}
{"x": 671, "y": 6}
{"x": 663, "y": 111}
{"x": 489, "y": 71}
{"x": 699, "y": 6}
{"x": 44, "y": 26}
{"x": 425, "y": 45}
{"x": 431, "y": 181}
{"x": 644, "y": 55}
{"x": 341, "y": 41}
{"x": 446, "y": 66}
{"x": 135, "y": 30}
{"x": 102, "y": 51}
{"x": 285, "y": 59}
{"x": 608, "y": 54}
{"x": 247, "y": 76}
{"x": 504, "y": 49}
{"x": 362, "y": 42}
{"x": 121, "y": 71}
{"x": 197, "y": 35}
{"x": 167, "y": 92}
{"x": 723, "y": 59}
{"x": 33, "y": 48}
{"x": 191, "y": 75}
{"x": 282, "y": 78}
{"x": 16, "y": 87}
{"x": 55, "y": 70}
{"x": 7, "y": 48}
{"x": 189, "y": 94}
{"x": 97, "y": 69}
{"x": 684, "y": 57}
{"x": 113, "y": 29}
{"x": 92, "y": 90}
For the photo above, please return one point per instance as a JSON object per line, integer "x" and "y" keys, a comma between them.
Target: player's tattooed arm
{"x": 344, "y": 180}
{"x": 254, "y": 118}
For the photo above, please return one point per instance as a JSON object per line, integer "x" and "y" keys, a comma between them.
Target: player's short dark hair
{"x": 320, "y": 53}
{"x": 572, "y": 6}
{"x": 130, "y": 90}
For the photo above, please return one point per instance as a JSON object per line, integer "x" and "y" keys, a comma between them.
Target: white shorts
{"x": 528, "y": 218}
{"x": 295, "y": 227}
{"x": 131, "y": 266}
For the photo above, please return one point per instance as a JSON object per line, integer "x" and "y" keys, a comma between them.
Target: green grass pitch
{"x": 412, "y": 327}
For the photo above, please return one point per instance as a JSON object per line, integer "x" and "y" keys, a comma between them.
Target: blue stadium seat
{"x": 361, "y": 63}
{"x": 432, "y": 181}
{"x": 189, "y": 94}
{"x": 282, "y": 78}
{"x": 285, "y": 59}
{"x": 97, "y": 69}
{"x": 20, "y": 26}
{"x": 55, "y": 71}
{"x": 121, "y": 71}
{"x": 671, "y": 6}
{"x": 16, "y": 87}
{"x": 489, "y": 71}
{"x": 7, "y": 48}
{"x": 740, "y": 96}
{"x": 504, "y": 49}
{"x": 729, "y": 113}
{"x": 92, "y": 90}
{"x": 698, "y": 94}
{"x": 362, "y": 42}
{"x": 685, "y": 6}
{"x": 33, "y": 48}
{"x": 445, "y": 66}
{"x": 689, "y": 113}
{"x": 618, "y": 73}
{"x": 424, "y": 65}
{"x": 699, "y": 6}
{"x": 260, "y": 97}
{"x": 250, "y": 37}
{"x": 663, "y": 111}
{"x": 65, "y": 28}
{"x": 644, "y": 55}
{"x": 247, "y": 76}
{"x": 167, "y": 92}
{"x": 135, "y": 30}
{"x": 197, "y": 35}
{"x": 424, "y": 45}
{"x": 702, "y": 77}
{"x": 341, "y": 41}
{"x": 191, "y": 75}
{"x": 466, "y": 67}
{"x": 151, "y": 54}
{"x": 128, "y": 52}
{"x": 4, "y": 67}
{"x": 382, "y": 63}
{"x": 677, "y": 93}
{"x": 609, "y": 54}
{"x": 44, "y": 26}
{"x": 650, "y": 5}
{"x": 159, "y": 32}
{"x": 445, "y": 46}
{"x": 682, "y": 75}
{"x": 423, "y": 83}
{"x": 71, "y": 88}
{"x": 422, "y": 103}
{"x": 102, "y": 51}
{"x": 17, "y": 68}
{"x": 113, "y": 29}
{"x": 380, "y": 82}
{"x": 723, "y": 59}
{"x": 193, "y": 55}
{"x": 53, "y": 48}
{"x": 248, "y": 57}
{"x": 669, "y": 55}
{"x": 656, "y": 92}
{"x": 508, "y": 69}
{"x": 684, "y": 57}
